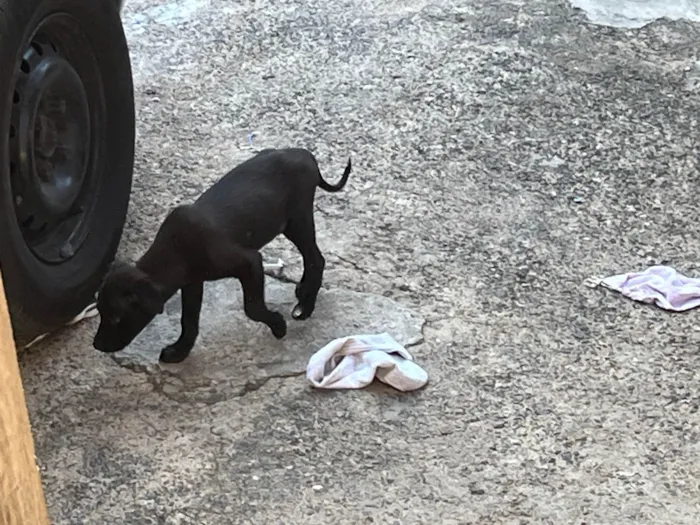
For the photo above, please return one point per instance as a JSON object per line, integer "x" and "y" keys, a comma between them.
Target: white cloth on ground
{"x": 353, "y": 362}
{"x": 659, "y": 285}
{"x": 89, "y": 311}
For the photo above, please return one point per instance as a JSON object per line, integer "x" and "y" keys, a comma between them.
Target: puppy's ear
{"x": 110, "y": 270}
{"x": 149, "y": 296}
{"x": 115, "y": 265}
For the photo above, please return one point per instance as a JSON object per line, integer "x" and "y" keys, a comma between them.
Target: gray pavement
{"x": 504, "y": 151}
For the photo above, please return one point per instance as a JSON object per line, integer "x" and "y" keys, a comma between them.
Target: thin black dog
{"x": 216, "y": 237}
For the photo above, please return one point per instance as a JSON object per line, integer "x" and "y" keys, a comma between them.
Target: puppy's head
{"x": 127, "y": 302}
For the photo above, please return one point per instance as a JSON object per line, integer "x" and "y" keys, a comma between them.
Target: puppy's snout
{"x": 101, "y": 343}
{"x": 98, "y": 344}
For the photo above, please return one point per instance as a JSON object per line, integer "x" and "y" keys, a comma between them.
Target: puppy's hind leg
{"x": 301, "y": 231}
{"x": 191, "y": 307}
{"x": 252, "y": 278}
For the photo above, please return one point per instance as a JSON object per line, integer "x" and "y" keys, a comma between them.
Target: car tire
{"x": 66, "y": 155}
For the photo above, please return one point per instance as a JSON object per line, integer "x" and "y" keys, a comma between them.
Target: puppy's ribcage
{"x": 213, "y": 248}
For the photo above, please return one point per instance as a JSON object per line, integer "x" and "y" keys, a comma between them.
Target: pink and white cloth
{"x": 659, "y": 285}
{"x": 355, "y": 361}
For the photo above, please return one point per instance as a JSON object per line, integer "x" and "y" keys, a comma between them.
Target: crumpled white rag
{"x": 353, "y": 362}
{"x": 659, "y": 285}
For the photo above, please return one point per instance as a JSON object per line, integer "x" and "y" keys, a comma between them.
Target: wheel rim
{"x": 53, "y": 139}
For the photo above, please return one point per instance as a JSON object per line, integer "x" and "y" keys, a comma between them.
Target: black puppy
{"x": 216, "y": 237}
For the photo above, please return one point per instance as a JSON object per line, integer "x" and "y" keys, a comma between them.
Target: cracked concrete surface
{"x": 504, "y": 152}
{"x": 234, "y": 356}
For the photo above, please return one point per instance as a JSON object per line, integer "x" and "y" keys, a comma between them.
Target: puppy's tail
{"x": 336, "y": 187}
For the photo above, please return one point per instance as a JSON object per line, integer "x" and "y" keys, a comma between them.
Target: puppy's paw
{"x": 278, "y": 325}
{"x": 174, "y": 354}
{"x": 300, "y": 312}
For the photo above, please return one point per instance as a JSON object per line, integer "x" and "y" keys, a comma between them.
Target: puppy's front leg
{"x": 252, "y": 280}
{"x": 191, "y": 307}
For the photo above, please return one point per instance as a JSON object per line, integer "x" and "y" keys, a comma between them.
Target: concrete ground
{"x": 504, "y": 152}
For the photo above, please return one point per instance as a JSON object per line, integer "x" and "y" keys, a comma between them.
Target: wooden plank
{"x": 21, "y": 495}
